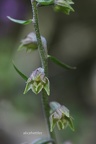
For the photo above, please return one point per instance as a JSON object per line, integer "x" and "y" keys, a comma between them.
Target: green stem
{"x": 44, "y": 61}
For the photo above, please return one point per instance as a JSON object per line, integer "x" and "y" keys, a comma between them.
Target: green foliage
{"x": 20, "y": 73}
{"x": 23, "y": 22}
{"x": 59, "y": 63}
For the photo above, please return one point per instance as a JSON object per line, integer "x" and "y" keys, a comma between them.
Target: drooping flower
{"x": 30, "y": 42}
{"x": 60, "y": 115}
{"x": 38, "y": 81}
{"x": 64, "y": 6}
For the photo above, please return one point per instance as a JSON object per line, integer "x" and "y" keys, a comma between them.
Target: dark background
{"x": 72, "y": 39}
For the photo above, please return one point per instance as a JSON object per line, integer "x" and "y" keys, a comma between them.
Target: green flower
{"x": 37, "y": 81}
{"x": 30, "y": 42}
{"x": 64, "y": 6}
{"x": 60, "y": 116}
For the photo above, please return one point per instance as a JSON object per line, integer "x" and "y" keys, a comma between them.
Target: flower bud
{"x": 60, "y": 116}
{"x": 37, "y": 81}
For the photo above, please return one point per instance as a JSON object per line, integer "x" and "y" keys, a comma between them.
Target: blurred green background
{"x": 72, "y": 39}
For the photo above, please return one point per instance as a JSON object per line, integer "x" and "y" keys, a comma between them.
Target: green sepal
{"x": 63, "y": 65}
{"x": 30, "y": 46}
{"x": 43, "y": 141}
{"x": 24, "y": 22}
{"x": 37, "y": 89}
{"x": 65, "y": 111}
{"x": 47, "y": 86}
{"x": 60, "y": 125}
{"x": 65, "y": 10}
{"x": 52, "y": 123}
{"x": 70, "y": 123}
{"x": 20, "y": 73}
{"x": 64, "y": 6}
{"x": 27, "y": 88}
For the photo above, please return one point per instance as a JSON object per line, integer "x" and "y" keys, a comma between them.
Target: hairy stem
{"x": 44, "y": 61}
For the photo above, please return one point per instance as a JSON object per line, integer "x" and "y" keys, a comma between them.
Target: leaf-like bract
{"x": 24, "y": 22}
{"x": 20, "y": 73}
{"x": 56, "y": 61}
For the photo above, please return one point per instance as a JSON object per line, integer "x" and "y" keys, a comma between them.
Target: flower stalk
{"x": 44, "y": 61}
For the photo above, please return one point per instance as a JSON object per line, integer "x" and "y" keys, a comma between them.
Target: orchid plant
{"x": 38, "y": 81}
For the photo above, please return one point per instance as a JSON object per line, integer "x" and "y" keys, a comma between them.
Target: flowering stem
{"x": 44, "y": 61}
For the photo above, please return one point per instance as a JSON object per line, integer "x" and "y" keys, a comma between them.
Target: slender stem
{"x": 44, "y": 61}
{"x": 41, "y": 49}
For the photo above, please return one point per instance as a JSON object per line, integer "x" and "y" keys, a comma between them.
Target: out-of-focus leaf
{"x": 20, "y": 73}
{"x": 56, "y": 61}
{"x": 43, "y": 141}
{"x": 24, "y": 22}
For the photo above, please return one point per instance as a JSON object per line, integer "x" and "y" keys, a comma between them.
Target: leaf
{"x": 20, "y": 73}
{"x": 56, "y": 61}
{"x": 24, "y": 22}
{"x": 43, "y": 141}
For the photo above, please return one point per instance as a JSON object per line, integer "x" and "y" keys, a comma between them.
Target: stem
{"x": 44, "y": 61}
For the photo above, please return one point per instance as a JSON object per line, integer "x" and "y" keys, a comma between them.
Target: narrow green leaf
{"x": 24, "y": 22}
{"x": 43, "y": 141}
{"x": 56, "y": 61}
{"x": 20, "y": 73}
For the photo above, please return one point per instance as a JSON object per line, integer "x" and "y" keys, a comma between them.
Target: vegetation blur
{"x": 72, "y": 39}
